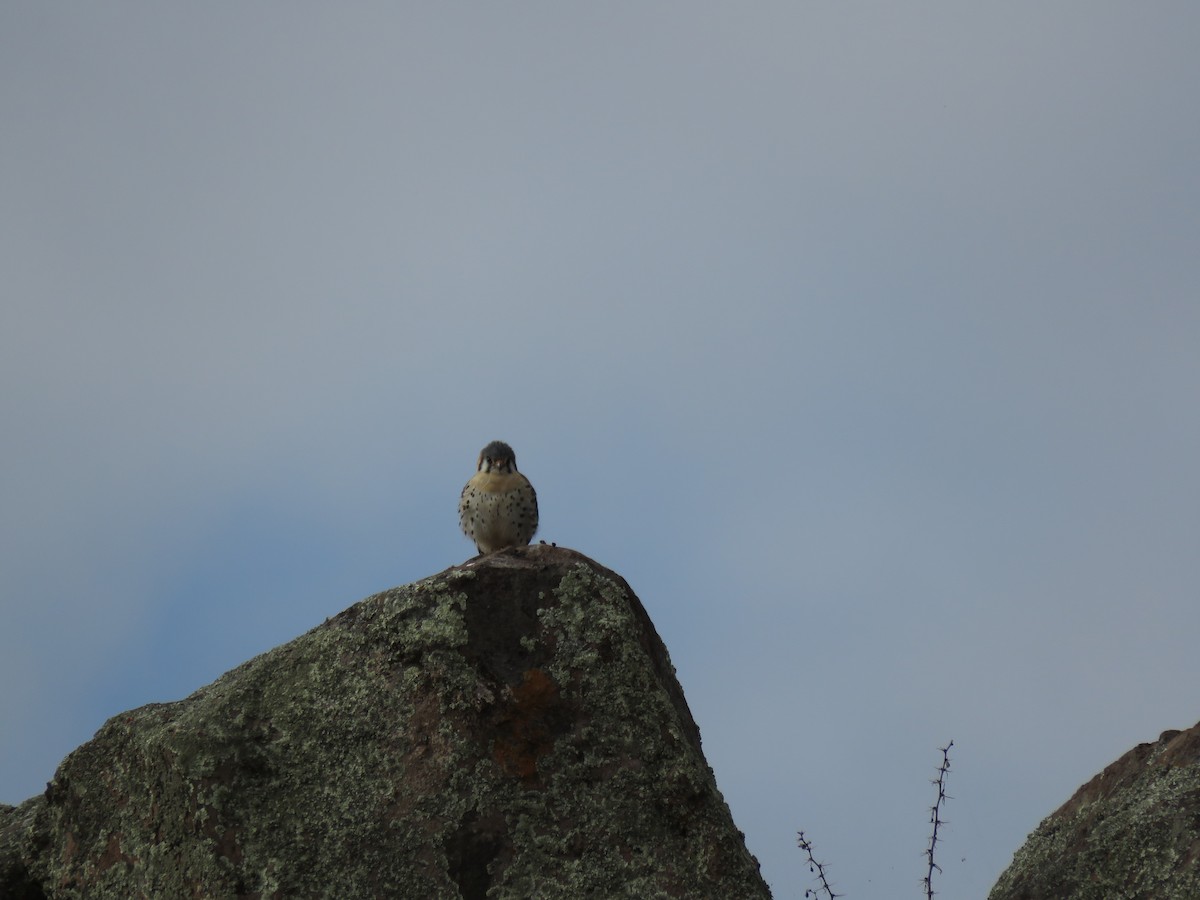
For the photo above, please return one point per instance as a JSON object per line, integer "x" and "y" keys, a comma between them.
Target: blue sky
{"x": 863, "y": 340}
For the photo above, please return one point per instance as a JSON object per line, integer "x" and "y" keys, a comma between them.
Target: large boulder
{"x": 508, "y": 728}
{"x": 1133, "y": 831}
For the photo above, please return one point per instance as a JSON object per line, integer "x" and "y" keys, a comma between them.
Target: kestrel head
{"x": 497, "y": 457}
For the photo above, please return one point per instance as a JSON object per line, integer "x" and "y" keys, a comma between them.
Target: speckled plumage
{"x": 498, "y": 506}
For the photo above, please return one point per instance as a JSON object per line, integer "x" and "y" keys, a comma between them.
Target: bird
{"x": 498, "y": 506}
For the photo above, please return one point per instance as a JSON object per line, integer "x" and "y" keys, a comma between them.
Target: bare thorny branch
{"x": 817, "y": 869}
{"x": 936, "y": 820}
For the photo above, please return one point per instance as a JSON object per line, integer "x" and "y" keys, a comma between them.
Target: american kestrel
{"x": 498, "y": 507}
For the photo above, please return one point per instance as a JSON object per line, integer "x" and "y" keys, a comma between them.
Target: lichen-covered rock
{"x": 1133, "y": 831}
{"x": 509, "y": 728}
{"x": 16, "y": 823}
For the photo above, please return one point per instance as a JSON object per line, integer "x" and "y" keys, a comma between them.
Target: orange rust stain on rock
{"x": 527, "y": 728}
